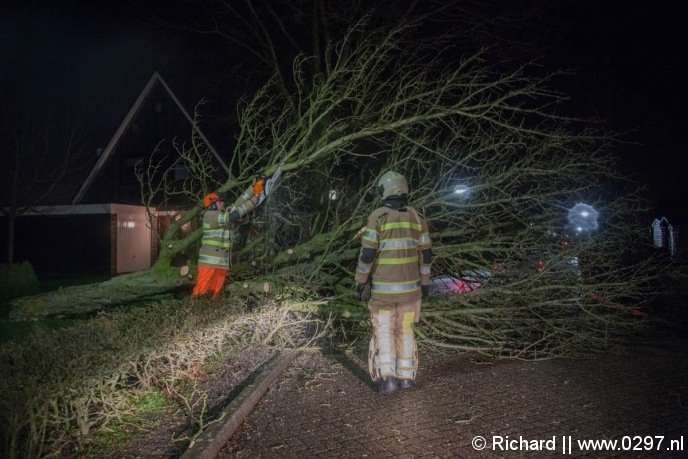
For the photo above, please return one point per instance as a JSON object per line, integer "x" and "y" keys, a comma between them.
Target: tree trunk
{"x": 161, "y": 279}
{"x": 84, "y": 299}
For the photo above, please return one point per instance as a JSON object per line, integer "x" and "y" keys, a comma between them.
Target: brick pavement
{"x": 324, "y": 407}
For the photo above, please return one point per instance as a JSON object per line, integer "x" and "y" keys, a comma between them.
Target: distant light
{"x": 333, "y": 195}
{"x": 461, "y": 190}
{"x": 583, "y": 218}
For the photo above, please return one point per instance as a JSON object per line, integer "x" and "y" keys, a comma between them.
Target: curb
{"x": 210, "y": 442}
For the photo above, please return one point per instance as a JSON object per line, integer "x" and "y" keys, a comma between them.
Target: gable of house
{"x": 153, "y": 122}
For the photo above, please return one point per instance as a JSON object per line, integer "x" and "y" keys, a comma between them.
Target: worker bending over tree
{"x": 213, "y": 257}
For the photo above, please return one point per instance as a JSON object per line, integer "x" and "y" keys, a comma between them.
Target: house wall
{"x": 113, "y": 244}
{"x": 154, "y": 127}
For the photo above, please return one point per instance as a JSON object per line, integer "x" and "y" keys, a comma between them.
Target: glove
{"x": 258, "y": 191}
{"x": 262, "y": 187}
{"x": 424, "y": 291}
{"x": 363, "y": 291}
{"x": 259, "y": 186}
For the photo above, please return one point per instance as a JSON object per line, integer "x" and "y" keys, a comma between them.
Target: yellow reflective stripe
{"x": 407, "y": 320}
{"x": 397, "y": 261}
{"x": 400, "y": 225}
{"x": 370, "y": 235}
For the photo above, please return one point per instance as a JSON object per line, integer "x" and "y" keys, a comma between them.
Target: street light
{"x": 583, "y": 218}
{"x": 461, "y": 191}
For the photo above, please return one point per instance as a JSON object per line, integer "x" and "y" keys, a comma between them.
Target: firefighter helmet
{"x": 392, "y": 184}
{"x": 210, "y": 199}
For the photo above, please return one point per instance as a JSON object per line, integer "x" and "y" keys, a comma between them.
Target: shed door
{"x": 133, "y": 243}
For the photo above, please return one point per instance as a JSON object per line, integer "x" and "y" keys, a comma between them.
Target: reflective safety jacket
{"x": 400, "y": 242}
{"x": 217, "y": 239}
{"x": 218, "y": 233}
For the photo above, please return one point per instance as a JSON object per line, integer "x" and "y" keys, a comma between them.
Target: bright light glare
{"x": 460, "y": 189}
{"x": 583, "y": 218}
{"x": 333, "y": 195}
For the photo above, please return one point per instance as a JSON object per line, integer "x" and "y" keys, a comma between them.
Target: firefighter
{"x": 213, "y": 257}
{"x": 393, "y": 274}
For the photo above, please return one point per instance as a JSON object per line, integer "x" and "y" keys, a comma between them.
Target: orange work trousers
{"x": 209, "y": 280}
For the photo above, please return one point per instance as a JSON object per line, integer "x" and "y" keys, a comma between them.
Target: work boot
{"x": 406, "y": 383}
{"x": 388, "y": 385}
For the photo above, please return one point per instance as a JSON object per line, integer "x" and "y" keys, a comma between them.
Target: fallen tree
{"x": 85, "y": 299}
{"x": 449, "y": 124}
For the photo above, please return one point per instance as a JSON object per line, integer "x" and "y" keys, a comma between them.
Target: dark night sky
{"x": 633, "y": 71}
{"x": 88, "y": 58}
{"x": 631, "y": 61}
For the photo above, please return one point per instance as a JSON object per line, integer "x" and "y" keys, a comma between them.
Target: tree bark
{"x": 85, "y": 299}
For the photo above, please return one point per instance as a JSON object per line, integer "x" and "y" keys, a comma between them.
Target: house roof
{"x": 112, "y": 144}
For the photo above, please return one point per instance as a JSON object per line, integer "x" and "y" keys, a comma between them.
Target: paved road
{"x": 324, "y": 407}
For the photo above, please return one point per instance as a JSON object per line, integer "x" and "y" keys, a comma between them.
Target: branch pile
{"x": 60, "y": 388}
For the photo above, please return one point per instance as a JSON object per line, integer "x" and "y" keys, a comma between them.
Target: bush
{"x": 17, "y": 280}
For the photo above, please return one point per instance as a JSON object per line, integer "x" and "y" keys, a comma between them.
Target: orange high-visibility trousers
{"x": 209, "y": 280}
